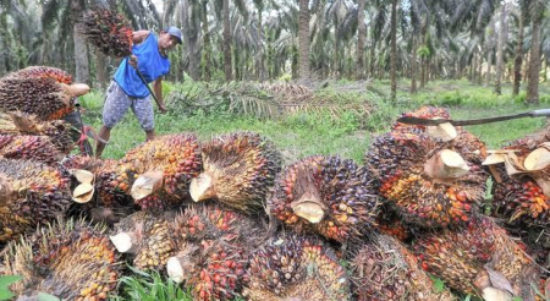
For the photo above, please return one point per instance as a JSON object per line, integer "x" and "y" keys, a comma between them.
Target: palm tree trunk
{"x": 80, "y": 47}
{"x": 205, "y": 61}
{"x": 500, "y": 50}
{"x": 101, "y": 69}
{"x": 480, "y": 69}
{"x": 303, "y": 41}
{"x": 226, "y": 41}
{"x": 393, "y": 55}
{"x": 361, "y": 33}
{"x": 422, "y": 72}
{"x": 427, "y": 71}
{"x": 260, "y": 55}
{"x": 488, "y": 75}
{"x": 534, "y": 63}
{"x": 413, "y": 65}
{"x": 519, "y": 56}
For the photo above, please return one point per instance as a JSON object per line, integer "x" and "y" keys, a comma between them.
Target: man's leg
{"x": 116, "y": 105}
{"x": 105, "y": 134}
{"x": 143, "y": 109}
{"x": 149, "y": 135}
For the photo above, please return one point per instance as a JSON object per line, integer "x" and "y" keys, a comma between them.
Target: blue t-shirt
{"x": 151, "y": 64}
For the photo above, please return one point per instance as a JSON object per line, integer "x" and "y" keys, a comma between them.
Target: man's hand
{"x": 162, "y": 108}
{"x": 133, "y": 61}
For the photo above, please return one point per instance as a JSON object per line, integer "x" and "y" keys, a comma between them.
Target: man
{"x": 127, "y": 89}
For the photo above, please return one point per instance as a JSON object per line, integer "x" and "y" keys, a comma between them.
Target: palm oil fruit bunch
{"x": 479, "y": 259}
{"x": 56, "y": 74}
{"x": 383, "y": 269}
{"x": 108, "y": 31}
{"x": 114, "y": 181}
{"x": 31, "y": 193}
{"x": 36, "y": 148}
{"x": 148, "y": 237}
{"x": 432, "y": 177}
{"x": 326, "y": 195}
{"x": 70, "y": 260}
{"x": 521, "y": 173}
{"x": 100, "y": 187}
{"x": 212, "y": 251}
{"x": 44, "y": 97}
{"x": 292, "y": 267}
{"x": 239, "y": 169}
{"x": 164, "y": 167}
{"x": 18, "y": 123}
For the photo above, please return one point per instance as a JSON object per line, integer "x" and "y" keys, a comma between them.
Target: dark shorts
{"x": 117, "y": 103}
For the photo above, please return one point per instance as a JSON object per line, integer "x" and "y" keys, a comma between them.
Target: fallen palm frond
{"x": 267, "y": 100}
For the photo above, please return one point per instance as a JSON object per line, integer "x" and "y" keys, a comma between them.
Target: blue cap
{"x": 175, "y": 32}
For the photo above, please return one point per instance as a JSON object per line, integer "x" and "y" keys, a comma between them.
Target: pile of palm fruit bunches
{"x": 225, "y": 219}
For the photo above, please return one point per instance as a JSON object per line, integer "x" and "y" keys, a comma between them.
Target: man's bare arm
{"x": 139, "y": 36}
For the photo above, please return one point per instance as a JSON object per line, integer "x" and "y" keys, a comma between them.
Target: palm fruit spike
{"x": 431, "y": 183}
{"x": 164, "y": 168}
{"x": 71, "y": 260}
{"x": 32, "y": 194}
{"x": 295, "y": 268}
{"x": 108, "y": 31}
{"x": 211, "y": 254}
{"x": 239, "y": 169}
{"x": 149, "y": 237}
{"x": 44, "y": 97}
{"x": 384, "y": 269}
{"x": 471, "y": 258}
{"x": 326, "y": 195}
{"x": 18, "y": 123}
{"x": 36, "y": 148}
{"x": 57, "y": 74}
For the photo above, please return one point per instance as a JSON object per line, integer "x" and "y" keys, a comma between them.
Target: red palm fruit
{"x": 31, "y": 194}
{"x": 108, "y": 31}
{"x": 212, "y": 251}
{"x": 44, "y": 97}
{"x": 164, "y": 168}
{"x": 220, "y": 271}
{"x": 326, "y": 195}
{"x": 295, "y": 268}
{"x": 57, "y": 74}
{"x": 71, "y": 260}
{"x": 430, "y": 182}
{"x": 18, "y": 123}
{"x": 384, "y": 269}
{"x": 149, "y": 238}
{"x": 470, "y": 259}
{"x": 239, "y": 169}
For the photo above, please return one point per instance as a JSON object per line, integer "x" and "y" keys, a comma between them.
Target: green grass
{"x": 320, "y": 132}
